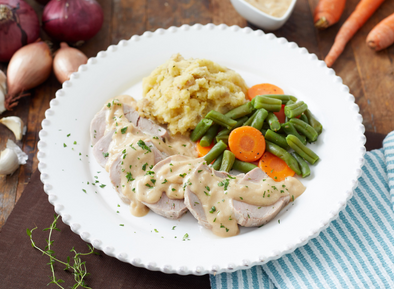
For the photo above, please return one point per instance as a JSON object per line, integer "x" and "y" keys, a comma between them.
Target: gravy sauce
{"x": 143, "y": 181}
{"x": 276, "y": 8}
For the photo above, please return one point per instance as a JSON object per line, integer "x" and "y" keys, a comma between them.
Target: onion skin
{"x": 13, "y": 35}
{"x": 72, "y": 21}
{"x": 29, "y": 66}
{"x": 66, "y": 61}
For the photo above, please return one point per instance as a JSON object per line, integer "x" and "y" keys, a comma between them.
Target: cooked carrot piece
{"x": 247, "y": 143}
{"x": 274, "y": 167}
{"x": 356, "y": 20}
{"x": 263, "y": 88}
{"x": 382, "y": 36}
{"x": 281, "y": 114}
{"x": 328, "y": 12}
{"x": 202, "y": 151}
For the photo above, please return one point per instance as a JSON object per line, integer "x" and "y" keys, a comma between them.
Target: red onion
{"x": 18, "y": 26}
{"x": 29, "y": 66}
{"x": 72, "y": 20}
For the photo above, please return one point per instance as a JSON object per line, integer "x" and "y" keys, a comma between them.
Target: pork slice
{"x": 131, "y": 114}
{"x": 115, "y": 170}
{"x": 168, "y": 208}
{"x": 149, "y": 127}
{"x": 102, "y": 147}
{"x": 194, "y": 204}
{"x": 255, "y": 175}
{"x": 251, "y": 216}
{"x": 114, "y": 176}
{"x": 97, "y": 126}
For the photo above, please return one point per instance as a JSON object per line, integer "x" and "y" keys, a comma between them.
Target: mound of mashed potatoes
{"x": 181, "y": 92}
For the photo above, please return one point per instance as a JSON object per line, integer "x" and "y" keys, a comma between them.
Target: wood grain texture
{"x": 368, "y": 74}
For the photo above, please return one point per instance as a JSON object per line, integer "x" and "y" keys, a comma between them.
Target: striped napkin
{"x": 355, "y": 251}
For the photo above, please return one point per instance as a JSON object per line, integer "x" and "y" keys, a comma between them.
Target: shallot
{"x": 3, "y": 91}
{"x": 72, "y": 21}
{"x": 66, "y": 61}
{"x": 29, "y": 66}
{"x": 18, "y": 26}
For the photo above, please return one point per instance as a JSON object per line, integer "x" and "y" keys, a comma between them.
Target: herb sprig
{"x": 78, "y": 268}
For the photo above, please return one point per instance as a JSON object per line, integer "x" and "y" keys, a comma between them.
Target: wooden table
{"x": 368, "y": 74}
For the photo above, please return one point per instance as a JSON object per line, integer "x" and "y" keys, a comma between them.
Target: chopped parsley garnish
{"x": 84, "y": 191}
{"x": 64, "y": 145}
{"x": 105, "y": 155}
{"x": 184, "y": 145}
{"x": 224, "y": 184}
{"x": 150, "y": 173}
{"x": 214, "y": 220}
{"x": 122, "y": 225}
{"x": 133, "y": 147}
{"x": 142, "y": 145}
{"x": 68, "y": 134}
{"x": 153, "y": 181}
{"x": 233, "y": 178}
{"x": 75, "y": 142}
{"x": 174, "y": 227}
{"x": 102, "y": 186}
{"x": 185, "y": 237}
{"x": 149, "y": 186}
{"x": 241, "y": 198}
{"x": 123, "y": 130}
{"x": 165, "y": 181}
{"x": 230, "y": 218}
{"x": 207, "y": 194}
{"x": 292, "y": 198}
{"x": 144, "y": 166}
{"x": 156, "y": 230}
{"x": 199, "y": 171}
{"x": 208, "y": 188}
{"x": 173, "y": 189}
{"x": 182, "y": 175}
{"x": 129, "y": 177}
{"x": 155, "y": 137}
{"x": 213, "y": 209}
{"x": 109, "y": 105}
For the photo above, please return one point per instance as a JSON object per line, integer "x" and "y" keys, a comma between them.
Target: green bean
{"x": 223, "y": 137}
{"x": 283, "y": 97}
{"x": 304, "y": 118}
{"x": 314, "y": 122}
{"x": 305, "y": 129}
{"x": 201, "y": 128}
{"x": 290, "y": 102}
{"x": 305, "y": 170}
{"x": 228, "y": 161}
{"x": 273, "y": 122}
{"x": 301, "y": 149}
{"x": 284, "y": 155}
{"x": 208, "y": 137}
{"x": 243, "y": 167}
{"x": 289, "y": 128}
{"x": 240, "y": 122}
{"x": 270, "y": 104}
{"x": 258, "y": 121}
{"x": 295, "y": 109}
{"x": 215, "y": 152}
{"x": 224, "y": 132}
{"x": 217, "y": 163}
{"x": 276, "y": 139}
{"x": 221, "y": 119}
{"x": 240, "y": 111}
{"x": 250, "y": 120}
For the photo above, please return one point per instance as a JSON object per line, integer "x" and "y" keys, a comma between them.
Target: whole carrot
{"x": 356, "y": 20}
{"x": 382, "y": 35}
{"x": 328, "y": 12}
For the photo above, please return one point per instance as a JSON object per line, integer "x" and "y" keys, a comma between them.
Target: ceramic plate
{"x": 96, "y": 213}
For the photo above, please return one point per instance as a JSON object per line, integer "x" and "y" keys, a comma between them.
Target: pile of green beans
{"x": 300, "y": 127}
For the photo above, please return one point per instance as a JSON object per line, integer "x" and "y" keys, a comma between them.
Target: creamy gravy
{"x": 276, "y": 8}
{"x": 141, "y": 181}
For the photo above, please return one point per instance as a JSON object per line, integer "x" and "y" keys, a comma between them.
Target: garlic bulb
{"x": 15, "y": 124}
{"x": 3, "y": 89}
{"x": 11, "y": 158}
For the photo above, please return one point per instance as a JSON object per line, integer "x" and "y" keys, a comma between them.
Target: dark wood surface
{"x": 368, "y": 74}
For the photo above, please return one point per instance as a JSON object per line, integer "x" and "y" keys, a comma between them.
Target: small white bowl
{"x": 258, "y": 17}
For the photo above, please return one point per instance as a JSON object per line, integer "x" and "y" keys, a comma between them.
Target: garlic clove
{"x": 11, "y": 158}
{"x": 15, "y": 124}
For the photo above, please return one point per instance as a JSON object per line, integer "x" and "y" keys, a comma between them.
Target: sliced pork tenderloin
{"x": 97, "y": 126}
{"x": 168, "y": 208}
{"x": 100, "y": 149}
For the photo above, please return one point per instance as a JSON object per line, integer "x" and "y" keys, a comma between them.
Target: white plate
{"x": 258, "y": 57}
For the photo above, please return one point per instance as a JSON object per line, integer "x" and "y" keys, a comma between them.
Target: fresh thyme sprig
{"x": 78, "y": 268}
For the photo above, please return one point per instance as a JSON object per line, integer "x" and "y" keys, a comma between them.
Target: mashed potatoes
{"x": 181, "y": 92}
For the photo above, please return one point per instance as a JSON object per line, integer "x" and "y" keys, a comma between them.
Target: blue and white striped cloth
{"x": 355, "y": 251}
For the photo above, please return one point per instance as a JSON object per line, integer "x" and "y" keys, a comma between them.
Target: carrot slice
{"x": 274, "y": 167}
{"x": 263, "y": 88}
{"x": 202, "y": 151}
{"x": 247, "y": 143}
{"x": 281, "y": 114}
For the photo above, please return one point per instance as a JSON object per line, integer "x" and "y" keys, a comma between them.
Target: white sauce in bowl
{"x": 275, "y": 8}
